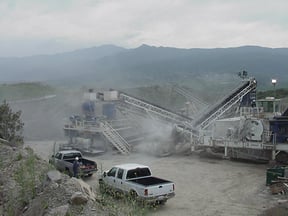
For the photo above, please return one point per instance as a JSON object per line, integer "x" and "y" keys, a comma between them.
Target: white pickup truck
{"x": 136, "y": 180}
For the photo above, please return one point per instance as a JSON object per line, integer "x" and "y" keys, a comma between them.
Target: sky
{"x": 32, "y": 27}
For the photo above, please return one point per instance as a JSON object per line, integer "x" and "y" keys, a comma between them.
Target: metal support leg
{"x": 274, "y": 147}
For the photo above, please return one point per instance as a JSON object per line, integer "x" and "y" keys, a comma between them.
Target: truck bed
{"x": 82, "y": 161}
{"x": 149, "y": 181}
{"x": 85, "y": 165}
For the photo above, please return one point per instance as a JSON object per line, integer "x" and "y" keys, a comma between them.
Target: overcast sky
{"x": 29, "y": 27}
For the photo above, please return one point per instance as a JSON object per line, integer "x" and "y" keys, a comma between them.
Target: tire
{"x": 282, "y": 158}
{"x": 102, "y": 186}
{"x": 162, "y": 202}
{"x": 117, "y": 194}
{"x": 133, "y": 195}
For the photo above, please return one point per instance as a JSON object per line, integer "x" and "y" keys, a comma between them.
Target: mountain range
{"x": 109, "y": 66}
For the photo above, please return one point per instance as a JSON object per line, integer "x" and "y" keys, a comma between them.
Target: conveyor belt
{"x": 217, "y": 110}
{"x": 148, "y": 107}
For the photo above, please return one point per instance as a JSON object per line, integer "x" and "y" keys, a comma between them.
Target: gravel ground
{"x": 203, "y": 186}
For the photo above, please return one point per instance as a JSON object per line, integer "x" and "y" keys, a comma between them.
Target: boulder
{"x": 54, "y": 176}
{"x": 87, "y": 190}
{"x": 78, "y": 198}
{"x": 82, "y": 187}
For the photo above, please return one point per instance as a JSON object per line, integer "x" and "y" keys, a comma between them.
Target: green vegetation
{"x": 27, "y": 176}
{"x": 11, "y": 125}
{"x": 279, "y": 93}
{"x": 117, "y": 203}
{"x": 165, "y": 95}
{"x": 24, "y": 91}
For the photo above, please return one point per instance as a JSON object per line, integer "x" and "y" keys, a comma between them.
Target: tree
{"x": 11, "y": 125}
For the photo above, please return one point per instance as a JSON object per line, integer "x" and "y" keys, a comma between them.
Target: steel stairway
{"x": 115, "y": 138}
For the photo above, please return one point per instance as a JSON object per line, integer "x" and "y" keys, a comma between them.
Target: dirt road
{"x": 203, "y": 186}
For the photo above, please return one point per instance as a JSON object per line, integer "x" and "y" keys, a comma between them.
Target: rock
{"x": 60, "y": 211}
{"x": 282, "y": 201}
{"x": 35, "y": 208}
{"x": 78, "y": 198}
{"x": 54, "y": 185}
{"x": 82, "y": 187}
{"x": 51, "y": 196}
{"x": 87, "y": 190}
{"x": 54, "y": 176}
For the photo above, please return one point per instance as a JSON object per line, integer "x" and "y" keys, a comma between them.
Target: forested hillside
{"x": 111, "y": 66}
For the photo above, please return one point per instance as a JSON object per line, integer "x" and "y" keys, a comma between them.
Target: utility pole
{"x": 274, "y": 81}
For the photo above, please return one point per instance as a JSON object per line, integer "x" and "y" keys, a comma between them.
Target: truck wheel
{"x": 117, "y": 194}
{"x": 162, "y": 202}
{"x": 282, "y": 157}
{"x": 133, "y": 194}
{"x": 101, "y": 186}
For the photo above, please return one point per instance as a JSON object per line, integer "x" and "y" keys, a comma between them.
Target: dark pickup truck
{"x": 63, "y": 161}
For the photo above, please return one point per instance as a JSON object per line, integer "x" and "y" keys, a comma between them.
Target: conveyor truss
{"x": 146, "y": 109}
{"x": 195, "y": 104}
{"x": 185, "y": 123}
{"x": 216, "y": 111}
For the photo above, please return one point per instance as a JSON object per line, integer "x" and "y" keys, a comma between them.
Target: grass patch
{"x": 25, "y": 90}
{"x": 120, "y": 204}
{"x": 19, "y": 157}
{"x": 27, "y": 176}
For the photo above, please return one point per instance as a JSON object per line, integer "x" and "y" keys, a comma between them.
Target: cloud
{"x": 130, "y": 23}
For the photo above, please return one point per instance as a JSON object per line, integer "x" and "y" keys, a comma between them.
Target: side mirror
{"x": 104, "y": 174}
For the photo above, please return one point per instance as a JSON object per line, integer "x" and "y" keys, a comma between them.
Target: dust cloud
{"x": 159, "y": 141}
{"x": 44, "y": 119}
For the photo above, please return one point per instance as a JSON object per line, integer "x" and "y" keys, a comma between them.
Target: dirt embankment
{"x": 29, "y": 186}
